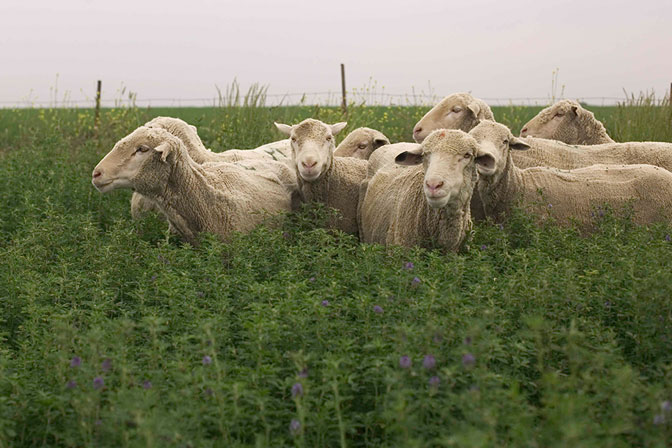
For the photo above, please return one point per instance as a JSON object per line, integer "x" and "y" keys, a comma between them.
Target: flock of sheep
{"x": 463, "y": 166}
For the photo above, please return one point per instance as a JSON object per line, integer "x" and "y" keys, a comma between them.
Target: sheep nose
{"x": 97, "y": 173}
{"x": 523, "y": 131}
{"x": 308, "y": 164}
{"x": 434, "y": 185}
{"x": 417, "y": 130}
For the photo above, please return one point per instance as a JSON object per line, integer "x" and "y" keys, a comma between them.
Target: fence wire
{"x": 297, "y": 99}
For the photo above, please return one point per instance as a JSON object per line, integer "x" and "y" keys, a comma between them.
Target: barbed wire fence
{"x": 327, "y": 99}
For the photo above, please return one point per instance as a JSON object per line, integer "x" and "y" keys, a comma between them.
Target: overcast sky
{"x": 493, "y": 48}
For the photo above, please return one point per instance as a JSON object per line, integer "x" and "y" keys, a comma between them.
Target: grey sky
{"x": 496, "y": 49}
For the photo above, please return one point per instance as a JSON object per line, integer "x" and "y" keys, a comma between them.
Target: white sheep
{"x": 424, "y": 203}
{"x": 543, "y": 152}
{"x": 322, "y": 177}
{"x": 219, "y": 198}
{"x": 567, "y": 122}
{"x": 456, "y": 111}
{"x": 566, "y": 195}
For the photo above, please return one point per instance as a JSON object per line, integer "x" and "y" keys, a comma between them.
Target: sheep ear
{"x": 474, "y": 108}
{"x": 574, "y": 111}
{"x": 408, "y": 158}
{"x": 165, "y": 149}
{"x": 284, "y": 128}
{"x": 518, "y": 144}
{"x": 377, "y": 143}
{"x": 193, "y": 128}
{"x": 338, "y": 127}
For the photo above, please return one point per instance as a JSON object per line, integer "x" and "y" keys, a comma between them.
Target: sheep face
{"x": 556, "y": 122}
{"x": 360, "y": 143}
{"x": 139, "y": 161}
{"x": 457, "y": 111}
{"x": 312, "y": 146}
{"x": 494, "y": 143}
{"x": 448, "y": 159}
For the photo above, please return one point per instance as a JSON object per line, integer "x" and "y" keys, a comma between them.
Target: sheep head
{"x": 494, "y": 144}
{"x": 448, "y": 159}
{"x": 456, "y": 111}
{"x": 312, "y": 146}
{"x": 360, "y": 143}
{"x": 556, "y": 122}
{"x": 142, "y": 160}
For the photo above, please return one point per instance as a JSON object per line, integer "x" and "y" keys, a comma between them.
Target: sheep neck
{"x": 497, "y": 194}
{"x": 189, "y": 201}
{"x": 317, "y": 191}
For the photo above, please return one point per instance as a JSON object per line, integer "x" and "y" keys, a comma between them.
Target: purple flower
{"x": 209, "y": 392}
{"x": 434, "y": 381}
{"x": 98, "y": 382}
{"x": 311, "y": 279}
{"x": 667, "y": 237}
{"x": 76, "y": 361}
{"x": 146, "y": 384}
{"x": 404, "y": 362}
{"x": 285, "y": 235}
{"x": 325, "y": 303}
{"x": 468, "y": 360}
{"x": 294, "y": 426}
{"x": 415, "y": 282}
{"x": 200, "y": 294}
{"x": 71, "y": 384}
{"x": 303, "y": 373}
{"x": 666, "y": 406}
{"x": 207, "y": 360}
{"x": 99, "y": 422}
{"x": 484, "y": 247}
{"x": 377, "y": 309}
{"x": 607, "y": 304}
{"x": 467, "y": 341}
{"x": 658, "y": 419}
{"x": 153, "y": 277}
{"x": 409, "y": 265}
{"x": 429, "y": 362}
{"x": 550, "y": 205}
{"x": 297, "y": 390}
{"x": 106, "y": 365}
{"x": 501, "y": 226}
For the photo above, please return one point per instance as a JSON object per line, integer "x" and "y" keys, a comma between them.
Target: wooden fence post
{"x": 344, "y": 104}
{"x": 96, "y": 119}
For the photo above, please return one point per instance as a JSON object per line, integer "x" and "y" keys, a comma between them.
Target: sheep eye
{"x": 457, "y": 109}
{"x": 467, "y": 156}
{"x": 294, "y": 139}
{"x": 559, "y": 114}
{"x": 142, "y": 149}
{"x": 362, "y": 146}
{"x": 505, "y": 142}
{"x": 329, "y": 138}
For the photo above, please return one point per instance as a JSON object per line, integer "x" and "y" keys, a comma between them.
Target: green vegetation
{"x": 114, "y": 333}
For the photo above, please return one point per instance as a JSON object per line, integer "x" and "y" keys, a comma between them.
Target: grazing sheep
{"x": 567, "y": 122}
{"x": 429, "y": 202}
{"x": 360, "y": 143}
{"x": 566, "y": 195}
{"x": 219, "y": 198}
{"x": 556, "y": 154}
{"x": 322, "y": 177}
{"x": 456, "y": 111}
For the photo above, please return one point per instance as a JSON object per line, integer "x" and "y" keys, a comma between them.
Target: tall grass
{"x": 114, "y": 333}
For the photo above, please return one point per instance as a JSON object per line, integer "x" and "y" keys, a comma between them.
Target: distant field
{"x": 114, "y": 333}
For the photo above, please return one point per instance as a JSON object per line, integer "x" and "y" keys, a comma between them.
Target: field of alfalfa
{"x": 114, "y": 333}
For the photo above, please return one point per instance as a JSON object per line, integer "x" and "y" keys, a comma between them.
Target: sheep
{"x": 567, "y": 122}
{"x": 566, "y": 195}
{"x": 219, "y": 198}
{"x": 552, "y": 153}
{"x": 424, "y": 203}
{"x": 360, "y": 143}
{"x": 322, "y": 177}
{"x": 456, "y": 111}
